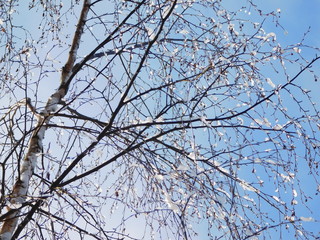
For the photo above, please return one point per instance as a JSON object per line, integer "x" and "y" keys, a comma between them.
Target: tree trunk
{"x": 20, "y": 188}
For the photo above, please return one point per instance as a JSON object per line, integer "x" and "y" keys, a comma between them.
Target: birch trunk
{"x": 20, "y": 188}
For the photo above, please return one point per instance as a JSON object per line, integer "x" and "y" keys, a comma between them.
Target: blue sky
{"x": 296, "y": 18}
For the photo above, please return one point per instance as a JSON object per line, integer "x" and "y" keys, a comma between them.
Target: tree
{"x": 174, "y": 116}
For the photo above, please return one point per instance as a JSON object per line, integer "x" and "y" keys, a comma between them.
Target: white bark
{"x": 20, "y": 188}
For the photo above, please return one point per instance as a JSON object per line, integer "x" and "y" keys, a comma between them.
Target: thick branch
{"x": 67, "y": 69}
{"x": 78, "y": 66}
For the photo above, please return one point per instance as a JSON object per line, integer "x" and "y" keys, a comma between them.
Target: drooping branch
{"x": 131, "y": 47}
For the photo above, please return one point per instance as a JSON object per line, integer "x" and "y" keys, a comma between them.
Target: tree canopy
{"x": 180, "y": 119}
